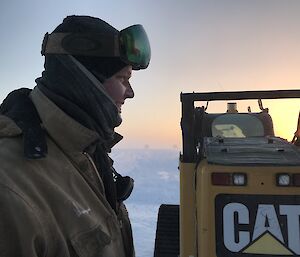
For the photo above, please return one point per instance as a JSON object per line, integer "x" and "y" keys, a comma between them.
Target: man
{"x": 296, "y": 138}
{"x": 59, "y": 194}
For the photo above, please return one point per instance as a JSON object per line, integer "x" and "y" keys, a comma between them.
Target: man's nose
{"x": 129, "y": 92}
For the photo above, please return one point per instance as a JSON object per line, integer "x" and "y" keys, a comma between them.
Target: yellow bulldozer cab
{"x": 239, "y": 184}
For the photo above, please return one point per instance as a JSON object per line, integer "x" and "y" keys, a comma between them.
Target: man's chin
{"x": 119, "y": 107}
{"x": 120, "y": 119}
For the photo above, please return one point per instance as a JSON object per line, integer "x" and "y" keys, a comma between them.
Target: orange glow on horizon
{"x": 285, "y": 117}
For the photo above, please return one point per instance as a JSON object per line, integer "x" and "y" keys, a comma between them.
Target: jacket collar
{"x": 70, "y": 135}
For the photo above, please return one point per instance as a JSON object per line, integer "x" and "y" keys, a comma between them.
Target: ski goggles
{"x": 131, "y": 45}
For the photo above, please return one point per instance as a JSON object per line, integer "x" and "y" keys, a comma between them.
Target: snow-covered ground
{"x": 156, "y": 177}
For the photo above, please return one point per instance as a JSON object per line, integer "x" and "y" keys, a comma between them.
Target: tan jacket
{"x": 56, "y": 206}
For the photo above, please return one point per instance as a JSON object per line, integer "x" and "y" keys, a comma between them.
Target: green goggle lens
{"x": 135, "y": 47}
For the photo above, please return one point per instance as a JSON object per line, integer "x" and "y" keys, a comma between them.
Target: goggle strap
{"x": 81, "y": 44}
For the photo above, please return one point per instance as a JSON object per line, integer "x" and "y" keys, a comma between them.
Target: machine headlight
{"x": 283, "y": 179}
{"x": 228, "y": 179}
{"x": 239, "y": 179}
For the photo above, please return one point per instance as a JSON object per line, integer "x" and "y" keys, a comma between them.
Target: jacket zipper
{"x": 94, "y": 166}
{"x": 100, "y": 180}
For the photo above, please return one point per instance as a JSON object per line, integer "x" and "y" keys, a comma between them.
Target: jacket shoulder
{"x": 8, "y": 128}
{"x": 11, "y": 146}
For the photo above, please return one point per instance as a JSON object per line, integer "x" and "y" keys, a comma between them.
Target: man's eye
{"x": 122, "y": 78}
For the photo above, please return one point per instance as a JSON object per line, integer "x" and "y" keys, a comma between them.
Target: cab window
{"x": 237, "y": 125}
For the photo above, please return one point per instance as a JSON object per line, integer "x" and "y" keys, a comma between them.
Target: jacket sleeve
{"x": 21, "y": 233}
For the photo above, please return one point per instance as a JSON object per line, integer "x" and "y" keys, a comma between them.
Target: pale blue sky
{"x": 212, "y": 45}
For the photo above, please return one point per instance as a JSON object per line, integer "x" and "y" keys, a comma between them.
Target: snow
{"x": 156, "y": 177}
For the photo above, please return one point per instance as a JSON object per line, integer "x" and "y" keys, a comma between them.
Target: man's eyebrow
{"x": 128, "y": 75}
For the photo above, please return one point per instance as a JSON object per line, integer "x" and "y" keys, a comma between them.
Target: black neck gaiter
{"x": 80, "y": 95}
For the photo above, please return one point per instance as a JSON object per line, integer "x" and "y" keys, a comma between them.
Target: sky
{"x": 201, "y": 46}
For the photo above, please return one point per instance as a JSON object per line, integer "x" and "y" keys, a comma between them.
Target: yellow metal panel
{"x": 187, "y": 210}
{"x": 261, "y": 181}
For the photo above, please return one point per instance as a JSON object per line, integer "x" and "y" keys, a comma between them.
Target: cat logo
{"x": 270, "y": 227}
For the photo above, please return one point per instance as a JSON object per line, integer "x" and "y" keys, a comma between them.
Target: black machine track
{"x": 167, "y": 231}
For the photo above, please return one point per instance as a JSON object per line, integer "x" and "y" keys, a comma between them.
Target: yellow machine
{"x": 239, "y": 184}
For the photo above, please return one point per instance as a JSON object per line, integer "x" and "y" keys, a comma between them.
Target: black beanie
{"x": 101, "y": 67}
